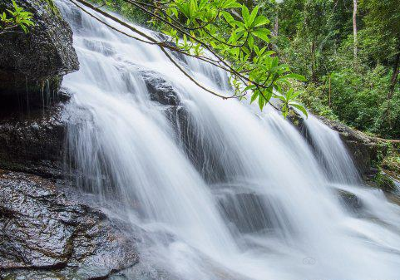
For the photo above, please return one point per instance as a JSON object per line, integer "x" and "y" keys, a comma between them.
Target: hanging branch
{"x": 150, "y": 41}
{"x": 255, "y": 64}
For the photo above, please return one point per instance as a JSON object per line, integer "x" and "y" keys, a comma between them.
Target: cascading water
{"x": 218, "y": 189}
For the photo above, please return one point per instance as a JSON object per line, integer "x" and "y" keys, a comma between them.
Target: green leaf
{"x": 249, "y": 87}
{"x": 294, "y": 95}
{"x": 229, "y": 4}
{"x": 261, "y": 102}
{"x": 229, "y": 18}
{"x": 245, "y": 15}
{"x": 250, "y": 42}
{"x": 280, "y": 97}
{"x": 299, "y": 107}
{"x": 260, "y": 20}
{"x": 253, "y": 16}
{"x": 254, "y": 97}
{"x": 262, "y": 34}
{"x": 268, "y": 94}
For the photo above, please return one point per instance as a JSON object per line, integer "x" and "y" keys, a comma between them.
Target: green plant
{"x": 288, "y": 100}
{"x": 384, "y": 182}
{"x": 254, "y": 69}
{"x": 235, "y": 40}
{"x": 17, "y": 17}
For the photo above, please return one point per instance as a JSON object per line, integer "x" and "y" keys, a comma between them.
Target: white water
{"x": 230, "y": 193}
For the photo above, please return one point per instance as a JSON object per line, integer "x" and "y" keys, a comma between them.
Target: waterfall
{"x": 215, "y": 188}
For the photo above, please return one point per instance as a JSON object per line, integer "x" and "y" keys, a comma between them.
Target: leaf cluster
{"x": 240, "y": 47}
{"x": 14, "y": 18}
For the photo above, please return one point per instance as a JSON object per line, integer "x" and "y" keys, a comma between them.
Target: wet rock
{"x": 350, "y": 200}
{"x": 35, "y": 62}
{"x": 160, "y": 90}
{"x": 42, "y": 229}
{"x": 33, "y": 142}
{"x": 238, "y": 207}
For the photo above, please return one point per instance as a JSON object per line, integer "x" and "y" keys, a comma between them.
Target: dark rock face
{"x": 35, "y": 61}
{"x": 42, "y": 229}
{"x": 160, "y": 90}
{"x": 33, "y": 142}
{"x": 44, "y": 234}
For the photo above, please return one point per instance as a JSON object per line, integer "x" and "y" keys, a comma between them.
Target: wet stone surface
{"x": 33, "y": 142}
{"x": 41, "y": 229}
{"x": 34, "y": 63}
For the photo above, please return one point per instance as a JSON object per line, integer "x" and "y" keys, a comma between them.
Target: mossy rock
{"x": 41, "y": 57}
{"x": 385, "y": 182}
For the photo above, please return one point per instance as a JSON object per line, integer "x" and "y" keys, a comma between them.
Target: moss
{"x": 384, "y": 182}
{"x": 381, "y": 152}
{"x": 295, "y": 119}
{"x": 392, "y": 161}
{"x": 49, "y": 5}
{"x": 53, "y": 8}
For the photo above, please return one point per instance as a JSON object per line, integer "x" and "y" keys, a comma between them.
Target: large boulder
{"x": 44, "y": 230}
{"x": 35, "y": 62}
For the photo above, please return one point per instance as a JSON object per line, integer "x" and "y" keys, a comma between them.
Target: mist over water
{"x": 217, "y": 189}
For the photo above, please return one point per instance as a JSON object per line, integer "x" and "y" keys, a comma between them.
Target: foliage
{"x": 127, "y": 10}
{"x": 390, "y": 158}
{"x": 230, "y": 36}
{"x": 17, "y": 17}
{"x": 316, "y": 39}
{"x": 384, "y": 182}
{"x": 383, "y": 26}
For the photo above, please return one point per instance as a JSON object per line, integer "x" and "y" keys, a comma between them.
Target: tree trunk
{"x": 355, "y": 30}
{"x": 329, "y": 91}
{"x": 313, "y": 62}
{"x": 276, "y": 25}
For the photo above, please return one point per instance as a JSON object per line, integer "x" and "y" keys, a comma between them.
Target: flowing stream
{"x": 216, "y": 189}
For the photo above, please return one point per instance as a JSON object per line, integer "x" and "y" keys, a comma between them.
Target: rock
{"x": 33, "y": 142}
{"x": 42, "y": 229}
{"x": 350, "y": 200}
{"x": 43, "y": 233}
{"x": 238, "y": 206}
{"x": 33, "y": 63}
{"x": 160, "y": 90}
